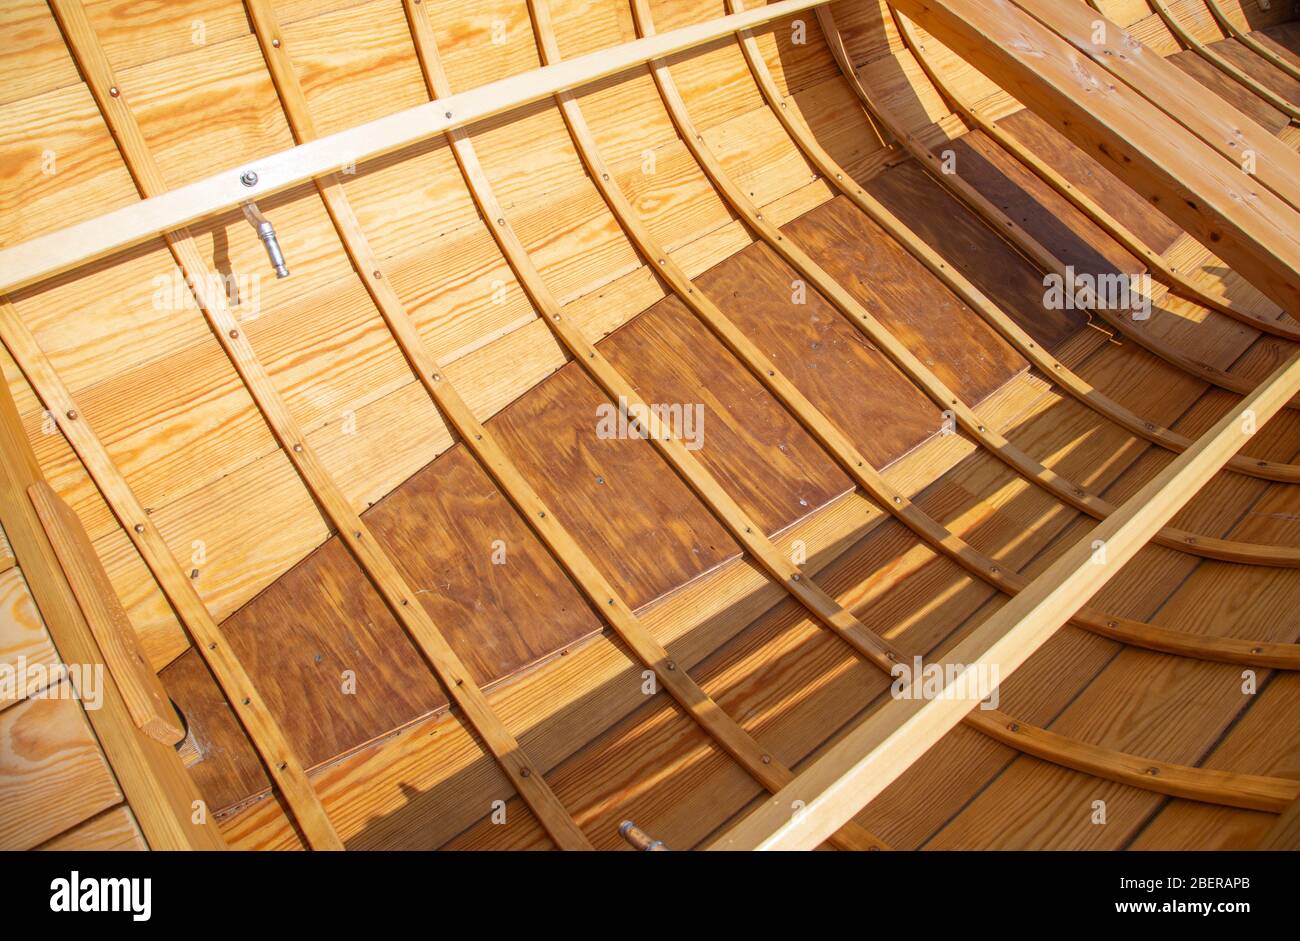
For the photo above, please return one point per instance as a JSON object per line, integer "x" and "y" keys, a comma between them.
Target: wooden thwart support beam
{"x": 1210, "y": 295}
{"x": 159, "y": 790}
{"x": 56, "y": 252}
{"x": 1234, "y": 136}
{"x": 878, "y": 751}
{"x": 1217, "y": 203}
{"x": 139, "y": 684}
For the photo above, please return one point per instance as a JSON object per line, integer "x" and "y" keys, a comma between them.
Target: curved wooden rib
{"x": 1248, "y": 791}
{"x": 72, "y": 246}
{"x": 1070, "y": 492}
{"x": 877, "y": 752}
{"x": 1222, "y": 64}
{"x": 816, "y": 423}
{"x": 354, "y": 533}
{"x": 1154, "y": 344}
{"x": 1215, "y": 299}
{"x": 1020, "y": 735}
{"x": 771, "y": 774}
{"x": 1181, "y": 98}
{"x": 1001, "y": 223}
{"x": 543, "y": 521}
{"x": 1250, "y": 42}
{"x": 282, "y": 766}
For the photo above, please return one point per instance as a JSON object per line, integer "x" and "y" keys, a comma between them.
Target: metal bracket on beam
{"x": 266, "y": 232}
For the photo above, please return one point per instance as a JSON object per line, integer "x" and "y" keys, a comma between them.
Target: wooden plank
{"x": 875, "y": 753}
{"x": 112, "y": 830}
{"x": 23, "y": 637}
{"x": 149, "y": 773}
{"x": 1222, "y": 127}
{"x": 372, "y": 557}
{"x": 50, "y": 254}
{"x": 1149, "y": 151}
{"x": 1212, "y": 56}
{"x": 724, "y": 730}
{"x": 139, "y": 685}
{"x": 52, "y": 773}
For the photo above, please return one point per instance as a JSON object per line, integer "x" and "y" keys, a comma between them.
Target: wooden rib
{"x": 1039, "y": 742}
{"x": 621, "y": 391}
{"x": 382, "y": 571}
{"x": 1214, "y": 201}
{"x": 139, "y": 684}
{"x": 67, "y": 248}
{"x": 830, "y": 437}
{"x": 1210, "y": 786}
{"x": 1022, "y": 463}
{"x": 1250, "y": 42}
{"x": 1183, "y": 99}
{"x": 1158, "y": 346}
{"x": 610, "y": 605}
{"x": 1215, "y": 298}
{"x": 875, "y": 753}
{"x": 153, "y": 780}
{"x": 1002, "y": 224}
{"x": 283, "y": 767}
{"x": 1223, "y": 65}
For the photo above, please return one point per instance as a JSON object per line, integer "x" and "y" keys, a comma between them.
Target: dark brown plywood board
{"x": 1037, "y": 208}
{"x": 757, "y": 451}
{"x": 826, "y": 357}
{"x": 1110, "y": 192}
{"x": 916, "y": 307}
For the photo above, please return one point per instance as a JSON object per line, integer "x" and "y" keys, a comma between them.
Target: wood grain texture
{"x": 113, "y": 830}
{"x": 52, "y": 773}
{"x": 108, "y": 622}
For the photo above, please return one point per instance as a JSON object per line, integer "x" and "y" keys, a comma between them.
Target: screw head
{"x": 248, "y": 178}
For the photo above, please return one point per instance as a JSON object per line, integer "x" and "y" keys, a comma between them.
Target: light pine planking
{"x": 52, "y": 773}
{"x": 113, "y": 830}
{"x": 23, "y": 637}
